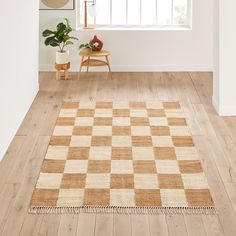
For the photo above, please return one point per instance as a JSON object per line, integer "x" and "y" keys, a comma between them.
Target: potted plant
{"x": 60, "y": 38}
{"x": 95, "y": 44}
{"x": 88, "y": 45}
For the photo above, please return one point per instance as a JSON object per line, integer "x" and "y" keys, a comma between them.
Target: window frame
{"x": 140, "y": 26}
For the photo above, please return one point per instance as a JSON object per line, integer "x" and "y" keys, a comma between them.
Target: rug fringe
{"x": 206, "y": 210}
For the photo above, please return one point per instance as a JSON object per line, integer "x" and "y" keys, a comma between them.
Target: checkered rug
{"x": 125, "y": 157}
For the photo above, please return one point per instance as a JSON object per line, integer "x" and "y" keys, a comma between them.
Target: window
{"x": 140, "y": 13}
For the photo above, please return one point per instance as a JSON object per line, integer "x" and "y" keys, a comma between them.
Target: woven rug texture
{"x": 123, "y": 157}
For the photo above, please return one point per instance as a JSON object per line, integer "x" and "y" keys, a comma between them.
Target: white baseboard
{"x": 224, "y": 110}
{"x": 134, "y": 68}
{"x": 215, "y": 104}
{"x": 227, "y": 111}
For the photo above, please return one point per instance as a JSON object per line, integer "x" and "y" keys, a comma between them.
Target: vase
{"x": 62, "y": 57}
{"x": 99, "y": 42}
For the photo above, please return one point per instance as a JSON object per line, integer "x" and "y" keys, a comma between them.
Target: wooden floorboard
{"x": 122, "y": 225}
{"x": 86, "y": 225}
{"x": 214, "y": 137}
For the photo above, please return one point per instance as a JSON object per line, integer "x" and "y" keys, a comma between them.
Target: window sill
{"x": 98, "y": 28}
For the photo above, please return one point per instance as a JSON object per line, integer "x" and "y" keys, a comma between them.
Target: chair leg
{"x": 109, "y": 67}
{"x": 80, "y": 69}
{"x": 88, "y": 64}
{"x": 58, "y": 75}
{"x": 66, "y": 75}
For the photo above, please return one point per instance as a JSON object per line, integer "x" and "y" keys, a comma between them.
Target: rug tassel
{"x": 124, "y": 210}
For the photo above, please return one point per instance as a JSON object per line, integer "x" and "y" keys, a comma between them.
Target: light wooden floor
{"x": 214, "y": 137}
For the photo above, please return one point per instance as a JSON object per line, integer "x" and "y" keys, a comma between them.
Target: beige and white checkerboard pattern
{"x": 121, "y": 154}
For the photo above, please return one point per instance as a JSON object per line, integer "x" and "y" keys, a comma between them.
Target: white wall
{"x": 215, "y": 98}
{"x": 18, "y": 65}
{"x": 224, "y": 97}
{"x": 145, "y": 50}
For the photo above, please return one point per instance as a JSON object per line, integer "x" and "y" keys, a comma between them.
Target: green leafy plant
{"x": 89, "y": 45}
{"x": 61, "y": 37}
